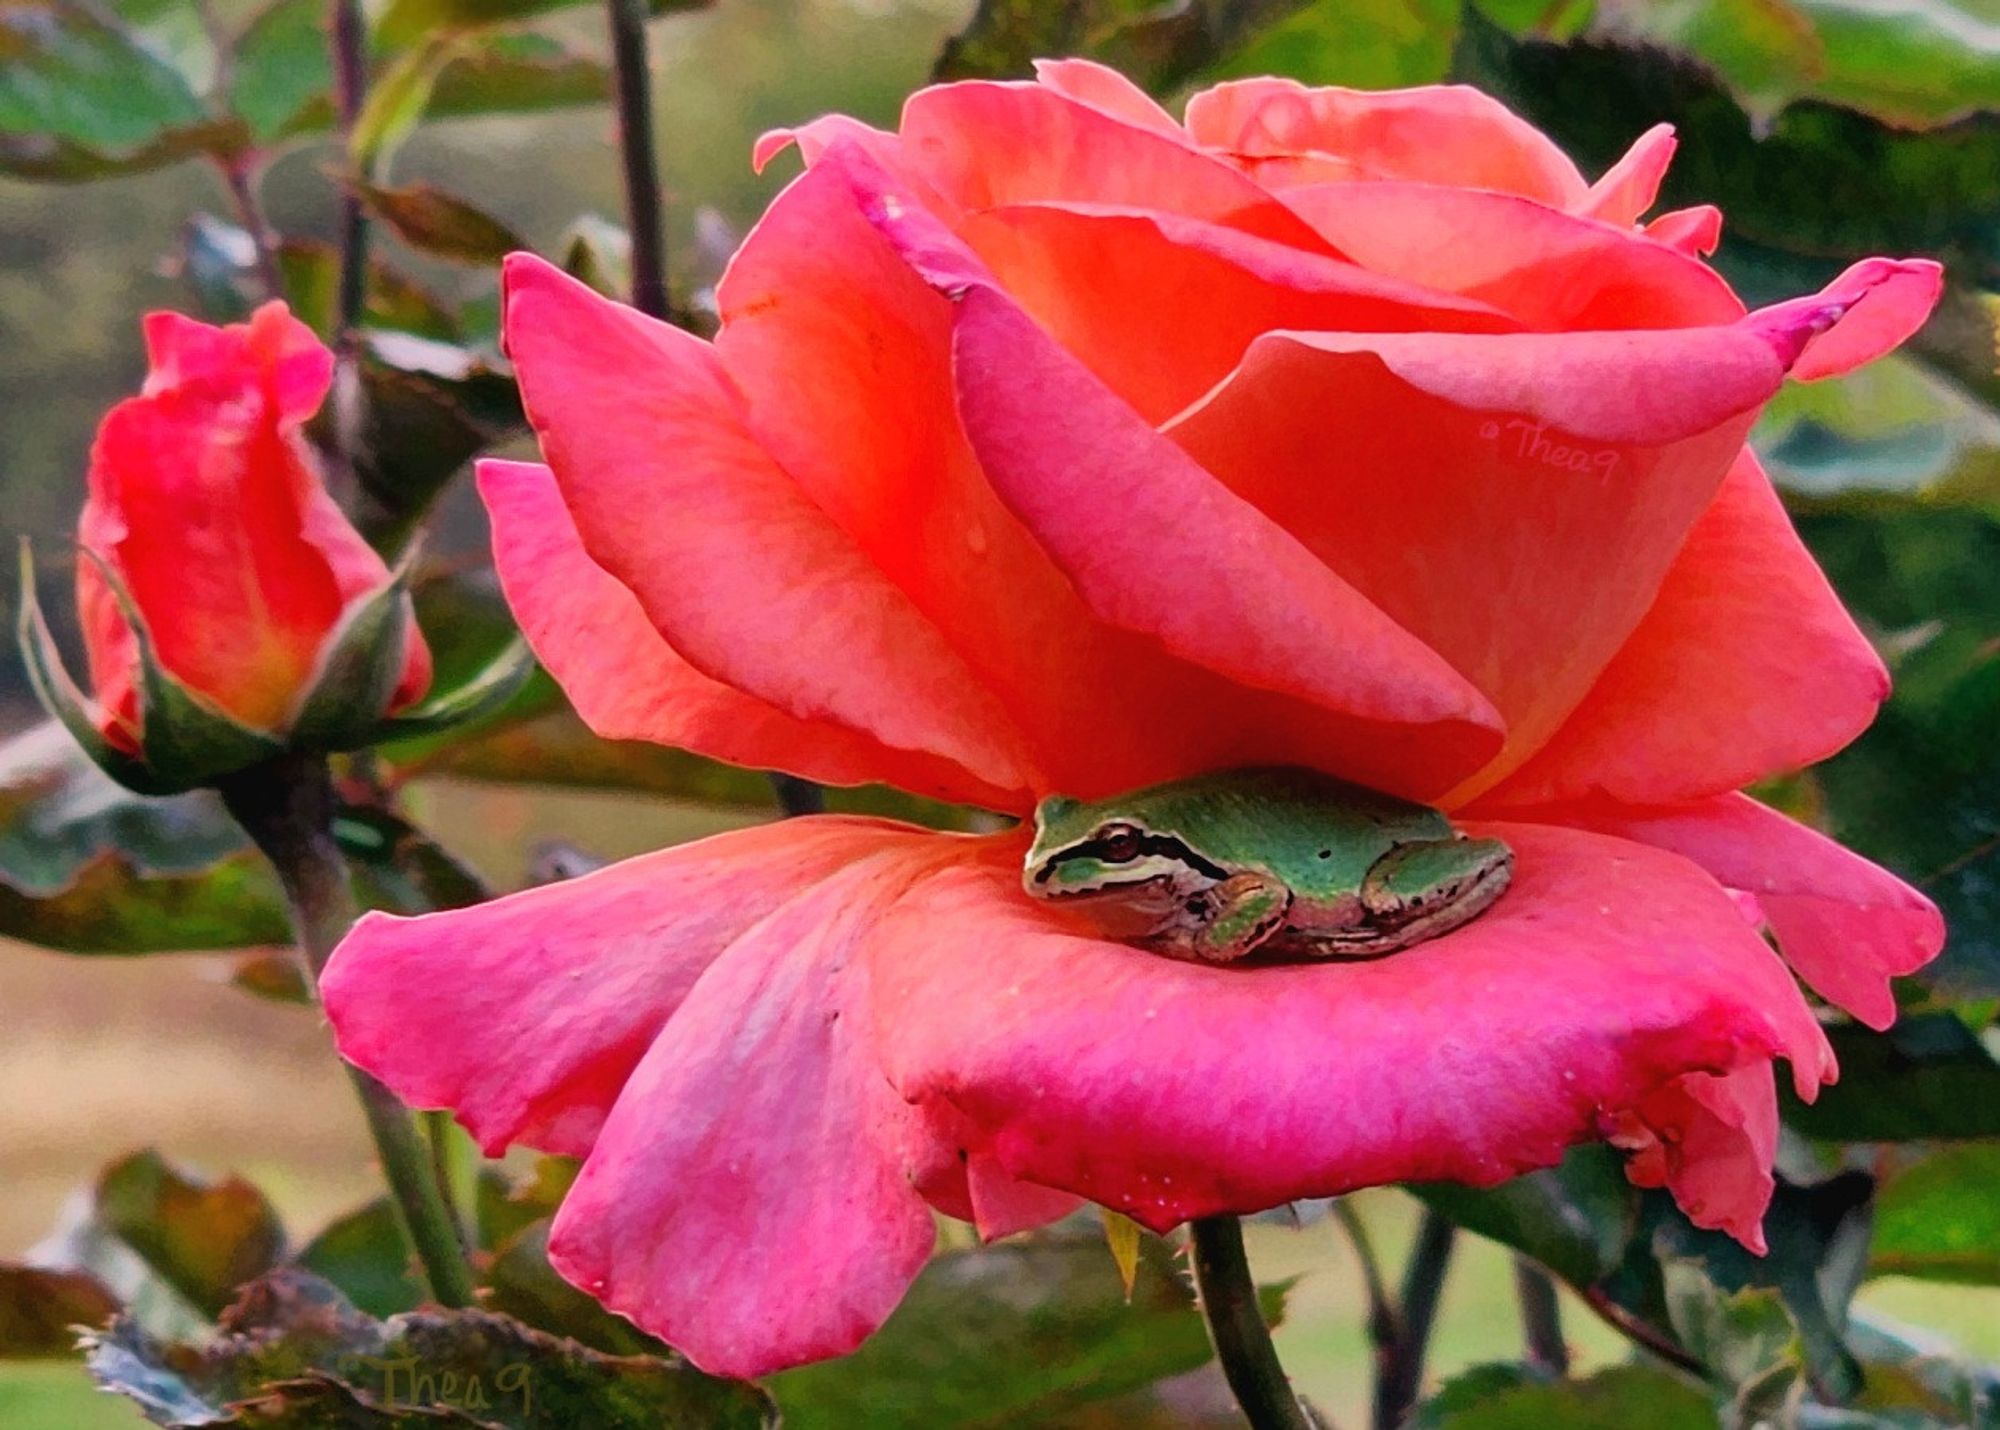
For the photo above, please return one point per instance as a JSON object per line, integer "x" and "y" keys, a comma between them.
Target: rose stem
{"x": 633, "y": 85}
{"x": 645, "y": 220}
{"x": 1236, "y": 1325}
{"x": 239, "y": 172}
{"x": 349, "y": 34}
{"x": 1385, "y": 1327}
{"x": 286, "y": 806}
{"x": 1402, "y": 1373}
{"x": 1541, "y": 1318}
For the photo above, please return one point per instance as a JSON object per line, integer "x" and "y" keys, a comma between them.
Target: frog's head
{"x": 1106, "y": 848}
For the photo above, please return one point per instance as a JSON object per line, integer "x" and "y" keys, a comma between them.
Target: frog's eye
{"x": 1117, "y": 843}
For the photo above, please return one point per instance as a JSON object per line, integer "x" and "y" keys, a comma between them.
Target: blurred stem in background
{"x": 1236, "y": 1325}
{"x": 347, "y": 31}
{"x": 1402, "y": 1368}
{"x": 645, "y": 221}
{"x": 287, "y": 807}
{"x": 1541, "y": 1318}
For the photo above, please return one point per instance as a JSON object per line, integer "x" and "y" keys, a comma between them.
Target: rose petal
{"x": 1556, "y": 272}
{"x": 1627, "y": 189}
{"x": 628, "y": 684}
{"x": 735, "y": 566}
{"x": 1543, "y": 483}
{"x": 1865, "y": 312}
{"x": 1845, "y": 925}
{"x": 1441, "y": 134}
{"x": 1154, "y": 544}
{"x": 1103, "y": 88}
{"x": 1710, "y": 1141}
{"x": 1691, "y": 231}
{"x": 1171, "y": 1090}
{"x": 980, "y": 144}
{"x": 751, "y": 1197}
{"x": 827, "y": 329}
{"x": 554, "y": 994}
{"x": 1746, "y": 665}
{"x": 207, "y": 503}
{"x": 1115, "y": 288}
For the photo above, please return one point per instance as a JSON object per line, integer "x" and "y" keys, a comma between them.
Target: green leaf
{"x": 1815, "y": 182}
{"x": 59, "y": 814}
{"x": 67, "y": 75}
{"x": 365, "y": 1254}
{"x": 1022, "y": 1333}
{"x": 1928, "y": 1077}
{"x": 1938, "y": 1216}
{"x": 517, "y": 74}
{"x": 521, "y": 1283}
{"x": 281, "y": 76}
{"x": 310, "y": 271}
{"x": 293, "y": 1354}
{"x": 1920, "y": 791}
{"x": 1377, "y": 44}
{"x": 202, "y": 1238}
{"x": 1509, "y": 1397}
{"x": 396, "y": 103}
{"x": 406, "y": 22}
{"x": 435, "y": 222}
{"x": 87, "y": 866}
{"x": 1575, "y": 1218}
{"x": 40, "y": 1309}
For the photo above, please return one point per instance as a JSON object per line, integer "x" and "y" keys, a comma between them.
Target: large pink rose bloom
{"x": 1050, "y": 444}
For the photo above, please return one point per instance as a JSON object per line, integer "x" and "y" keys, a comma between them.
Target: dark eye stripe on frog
{"x": 1164, "y": 845}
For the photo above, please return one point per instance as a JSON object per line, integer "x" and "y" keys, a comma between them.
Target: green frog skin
{"x": 1287, "y": 862}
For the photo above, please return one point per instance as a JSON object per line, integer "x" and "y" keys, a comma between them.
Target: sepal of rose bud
{"x": 184, "y": 741}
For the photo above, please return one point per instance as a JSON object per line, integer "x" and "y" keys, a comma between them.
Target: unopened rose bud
{"x": 229, "y": 608}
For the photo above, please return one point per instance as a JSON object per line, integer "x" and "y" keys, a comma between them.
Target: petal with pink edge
{"x": 1440, "y": 134}
{"x": 1556, "y": 272}
{"x": 1553, "y": 476}
{"x": 1746, "y": 666}
{"x": 1172, "y": 1090}
{"x": 827, "y": 328}
{"x": 746, "y": 578}
{"x": 1845, "y": 925}
{"x": 751, "y": 1198}
{"x": 1115, "y": 288}
{"x": 628, "y": 684}
{"x": 554, "y": 994}
{"x": 1709, "y": 1140}
{"x": 1865, "y": 312}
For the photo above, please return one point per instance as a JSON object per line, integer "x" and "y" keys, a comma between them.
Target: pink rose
{"x": 1052, "y": 445}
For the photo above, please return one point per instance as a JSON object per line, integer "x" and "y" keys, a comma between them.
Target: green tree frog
{"x": 1288, "y": 861}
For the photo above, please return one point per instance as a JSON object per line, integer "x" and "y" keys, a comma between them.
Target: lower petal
{"x": 526, "y": 1015}
{"x": 1845, "y": 925}
{"x": 1709, "y": 1140}
{"x": 1169, "y": 1090}
{"x": 752, "y": 1196}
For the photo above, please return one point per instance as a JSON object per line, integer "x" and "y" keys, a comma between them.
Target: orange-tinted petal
{"x": 745, "y": 577}
{"x": 1440, "y": 134}
{"x": 629, "y": 684}
{"x": 1745, "y": 666}
{"x": 1627, "y": 189}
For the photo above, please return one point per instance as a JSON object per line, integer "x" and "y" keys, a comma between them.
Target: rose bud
{"x": 229, "y": 608}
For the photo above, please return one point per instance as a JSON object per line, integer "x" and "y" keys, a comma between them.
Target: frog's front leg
{"x": 1237, "y": 916}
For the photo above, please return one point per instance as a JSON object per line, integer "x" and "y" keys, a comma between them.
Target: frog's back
{"x": 1315, "y": 832}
